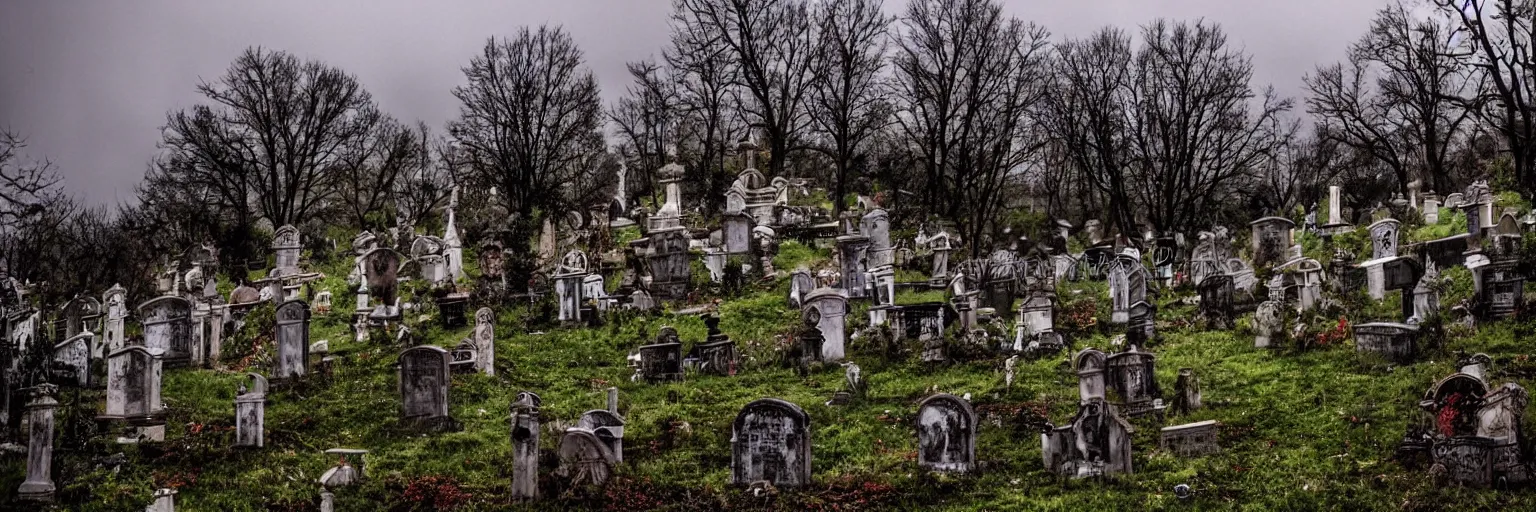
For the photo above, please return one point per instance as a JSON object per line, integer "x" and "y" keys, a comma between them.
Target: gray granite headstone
{"x": 424, "y": 379}
{"x": 292, "y": 341}
{"x": 771, "y": 441}
{"x": 168, "y": 327}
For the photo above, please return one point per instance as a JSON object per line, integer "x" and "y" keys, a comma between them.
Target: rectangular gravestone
{"x": 424, "y": 379}
{"x": 168, "y": 328}
{"x": 771, "y": 441}
{"x": 292, "y": 341}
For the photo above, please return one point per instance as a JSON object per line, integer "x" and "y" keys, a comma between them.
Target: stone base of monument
{"x": 431, "y": 425}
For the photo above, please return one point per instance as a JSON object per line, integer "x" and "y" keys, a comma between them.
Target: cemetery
{"x": 717, "y": 395}
{"x": 703, "y": 322}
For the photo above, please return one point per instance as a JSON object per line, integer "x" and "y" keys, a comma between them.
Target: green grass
{"x": 1302, "y": 430}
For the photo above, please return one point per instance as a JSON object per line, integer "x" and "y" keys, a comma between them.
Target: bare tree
{"x": 1498, "y": 37}
{"x": 527, "y": 116}
{"x": 704, "y": 68}
{"x": 1087, "y": 113}
{"x": 1405, "y": 96}
{"x": 645, "y": 119}
{"x": 847, "y": 103}
{"x": 1195, "y": 132}
{"x": 427, "y": 178}
{"x": 27, "y": 187}
{"x": 379, "y": 161}
{"x": 966, "y": 79}
{"x": 773, "y": 45}
{"x": 274, "y": 138}
{"x": 1169, "y": 132}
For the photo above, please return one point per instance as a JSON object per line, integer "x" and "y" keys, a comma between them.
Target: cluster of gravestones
{"x": 182, "y": 327}
{"x": 771, "y": 438}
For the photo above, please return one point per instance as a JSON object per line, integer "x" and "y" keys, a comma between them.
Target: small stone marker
{"x": 1191, "y": 439}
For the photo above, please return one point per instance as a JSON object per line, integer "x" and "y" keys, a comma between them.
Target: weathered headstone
{"x": 855, "y": 267}
{"x": 1186, "y": 392}
{"x": 1393, "y": 342}
{"x": 608, "y": 426}
{"x": 1036, "y": 317}
{"x": 485, "y": 341}
{"x": 292, "y": 340}
{"x": 801, "y": 283}
{"x": 39, "y": 483}
{"x": 668, "y": 263}
{"x": 381, "y": 269}
{"x": 771, "y": 441}
{"x": 164, "y": 500}
{"x": 1133, "y": 378}
{"x": 946, "y": 434}
{"x": 833, "y": 306}
{"x": 116, "y": 300}
{"x": 1096, "y": 442}
{"x": 661, "y": 361}
{"x": 1267, "y": 324}
{"x": 72, "y": 361}
{"x": 424, "y": 379}
{"x": 525, "y": 446}
{"x": 168, "y": 327}
{"x": 286, "y": 246}
{"x": 1191, "y": 439}
{"x": 876, "y": 225}
{"x": 1272, "y": 236}
{"x": 1127, "y": 285}
{"x": 717, "y": 354}
{"x": 568, "y": 277}
{"x": 1216, "y": 302}
{"x": 250, "y": 413}
{"x": 133, "y": 385}
{"x": 584, "y": 459}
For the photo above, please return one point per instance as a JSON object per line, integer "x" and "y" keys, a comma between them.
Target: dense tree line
{"x": 952, "y": 108}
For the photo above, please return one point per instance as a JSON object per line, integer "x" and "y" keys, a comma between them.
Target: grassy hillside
{"x": 1302, "y": 430}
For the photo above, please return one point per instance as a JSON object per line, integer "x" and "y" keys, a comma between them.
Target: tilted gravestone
{"x": 584, "y": 459}
{"x": 946, "y": 434}
{"x": 72, "y": 361}
{"x": 771, "y": 441}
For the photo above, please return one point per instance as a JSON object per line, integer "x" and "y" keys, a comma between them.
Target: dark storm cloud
{"x": 89, "y": 82}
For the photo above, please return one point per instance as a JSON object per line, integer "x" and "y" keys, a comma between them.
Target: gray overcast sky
{"x": 89, "y": 82}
